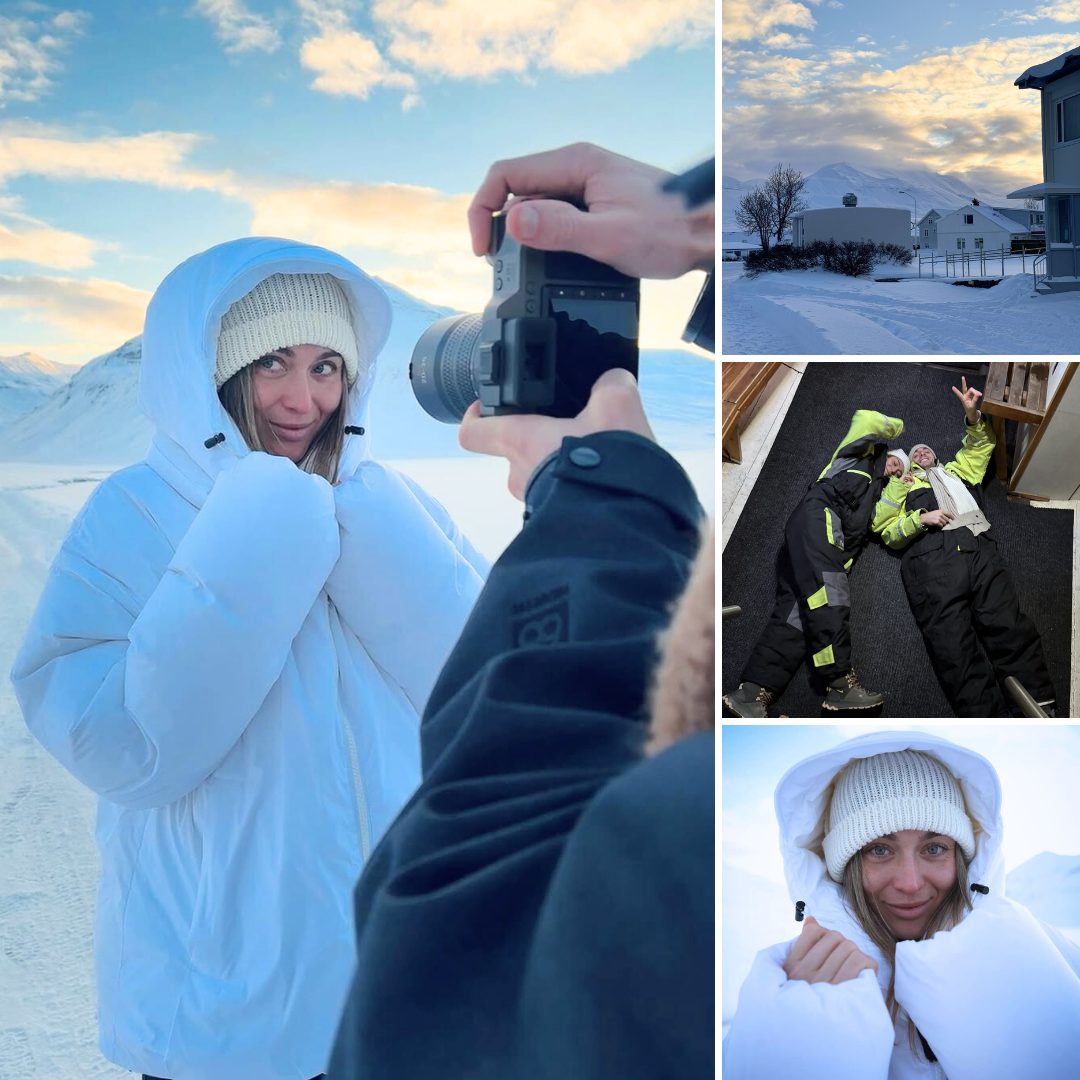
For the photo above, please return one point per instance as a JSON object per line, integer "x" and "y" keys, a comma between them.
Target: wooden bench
{"x": 741, "y": 384}
{"x": 1013, "y": 392}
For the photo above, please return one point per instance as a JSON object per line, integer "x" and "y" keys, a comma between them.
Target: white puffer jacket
{"x": 997, "y": 997}
{"x": 234, "y": 654}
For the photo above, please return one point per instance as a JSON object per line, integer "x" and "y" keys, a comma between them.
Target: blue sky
{"x": 133, "y": 135}
{"x": 922, "y": 84}
{"x": 1038, "y": 767}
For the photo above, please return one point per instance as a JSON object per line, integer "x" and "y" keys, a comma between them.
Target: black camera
{"x": 555, "y": 323}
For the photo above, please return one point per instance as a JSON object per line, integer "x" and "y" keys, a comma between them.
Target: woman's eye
{"x": 267, "y": 363}
{"x": 325, "y": 367}
{"x": 878, "y": 850}
{"x": 936, "y": 849}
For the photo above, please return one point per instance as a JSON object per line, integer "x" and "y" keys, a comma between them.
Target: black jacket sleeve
{"x": 543, "y": 905}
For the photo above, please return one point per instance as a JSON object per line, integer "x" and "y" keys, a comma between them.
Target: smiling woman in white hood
{"x": 911, "y": 961}
{"x": 232, "y": 649}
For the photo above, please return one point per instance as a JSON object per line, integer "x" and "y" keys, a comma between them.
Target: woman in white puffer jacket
{"x": 232, "y": 650}
{"x": 911, "y": 962}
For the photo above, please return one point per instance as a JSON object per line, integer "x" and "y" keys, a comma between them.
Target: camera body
{"x": 555, "y": 322}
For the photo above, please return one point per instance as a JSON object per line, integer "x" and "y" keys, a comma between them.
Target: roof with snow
{"x": 988, "y": 212}
{"x": 1041, "y": 74}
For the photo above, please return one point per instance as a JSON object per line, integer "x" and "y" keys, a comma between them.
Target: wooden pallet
{"x": 1013, "y": 392}
{"x": 741, "y": 384}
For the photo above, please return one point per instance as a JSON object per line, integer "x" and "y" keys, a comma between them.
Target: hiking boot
{"x": 749, "y": 700}
{"x": 845, "y": 693}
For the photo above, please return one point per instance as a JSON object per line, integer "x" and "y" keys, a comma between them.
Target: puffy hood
{"x": 176, "y": 385}
{"x": 803, "y": 794}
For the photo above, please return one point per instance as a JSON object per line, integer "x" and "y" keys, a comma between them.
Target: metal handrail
{"x": 1036, "y": 277}
{"x": 730, "y": 612}
{"x": 959, "y": 262}
{"x": 1025, "y": 702}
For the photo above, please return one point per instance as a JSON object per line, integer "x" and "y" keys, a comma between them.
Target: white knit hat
{"x": 282, "y": 311}
{"x": 924, "y": 446}
{"x": 904, "y": 459}
{"x": 889, "y": 792}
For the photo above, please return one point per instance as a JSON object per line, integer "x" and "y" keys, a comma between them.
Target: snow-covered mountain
{"x": 877, "y": 187}
{"x": 26, "y": 381}
{"x": 95, "y": 418}
{"x": 1049, "y": 885}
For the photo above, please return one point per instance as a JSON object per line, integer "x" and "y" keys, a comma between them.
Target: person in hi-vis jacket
{"x": 959, "y": 588}
{"x": 232, "y": 650}
{"x": 811, "y": 615}
{"x": 910, "y": 962}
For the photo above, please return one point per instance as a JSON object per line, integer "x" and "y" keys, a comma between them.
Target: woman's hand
{"x": 969, "y": 398}
{"x": 935, "y": 517}
{"x": 908, "y": 478}
{"x": 825, "y": 956}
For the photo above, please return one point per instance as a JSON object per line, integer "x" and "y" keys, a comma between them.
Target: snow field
{"x": 813, "y": 312}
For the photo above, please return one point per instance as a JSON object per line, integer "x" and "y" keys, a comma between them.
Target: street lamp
{"x": 914, "y": 204}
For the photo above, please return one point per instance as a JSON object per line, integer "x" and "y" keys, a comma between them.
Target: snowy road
{"x": 811, "y": 312}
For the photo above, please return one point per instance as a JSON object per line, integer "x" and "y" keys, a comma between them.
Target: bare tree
{"x": 784, "y": 186}
{"x": 756, "y": 213}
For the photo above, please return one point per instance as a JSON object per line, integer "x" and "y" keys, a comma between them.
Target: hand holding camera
{"x": 525, "y": 441}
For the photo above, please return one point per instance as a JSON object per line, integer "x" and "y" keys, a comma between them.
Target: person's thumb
{"x": 554, "y": 225}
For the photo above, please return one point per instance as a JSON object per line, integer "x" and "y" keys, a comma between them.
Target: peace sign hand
{"x": 969, "y": 399}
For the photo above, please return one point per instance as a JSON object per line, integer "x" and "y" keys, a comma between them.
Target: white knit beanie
{"x": 883, "y": 794}
{"x": 282, "y": 311}
{"x": 901, "y": 456}
{"x": 923, "y": 446}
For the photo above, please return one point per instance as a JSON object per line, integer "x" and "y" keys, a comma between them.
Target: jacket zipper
{"x": 358, "y": 788}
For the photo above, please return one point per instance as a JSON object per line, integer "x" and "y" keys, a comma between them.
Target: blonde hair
{"x": 948, "y": 914}
{"x": 237, "y": 395}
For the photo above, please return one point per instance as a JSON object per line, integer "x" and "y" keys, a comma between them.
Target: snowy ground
{"x": 813, "y": 312}
{"x": 48, "y": 862}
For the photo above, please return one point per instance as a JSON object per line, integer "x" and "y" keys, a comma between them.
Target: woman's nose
{"x": 297, "y": 392}
{"x": 908, "y": 877}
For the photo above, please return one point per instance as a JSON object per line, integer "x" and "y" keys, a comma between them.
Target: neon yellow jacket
{"x": 897, "y": 525}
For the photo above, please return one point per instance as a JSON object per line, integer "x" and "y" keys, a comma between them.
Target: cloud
{"x": 1066, "y": 11}
{"x": 752, "y": 20}
{"x": 29, "y": 49}
{"x": 350, "y": 65}
{"x": 953, "y": 110}
{"x": 98, "y": 311}
{"x": 473, "y": 39}
{"x": 240, "y": 29}
{"x": 25, "y": 239}
{"x": 157, "y": 157}
{"x": 401, "y": 218}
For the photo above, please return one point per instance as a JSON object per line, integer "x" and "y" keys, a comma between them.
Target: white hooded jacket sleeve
{"x": 993, "y": 996}
{"x": 387, "y": 534}
{"x": 815, "y": 1031}
{"x": 138, "y": 699}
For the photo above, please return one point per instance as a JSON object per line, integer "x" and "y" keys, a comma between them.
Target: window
{"x": 969, "y": 219}
{"x": 1062, "y": 232}
{"x": 961, "y": 243}
{"x": 1068, "y": 118}
{"x": 978, "y": 241}
{"x": 926, "y": 232}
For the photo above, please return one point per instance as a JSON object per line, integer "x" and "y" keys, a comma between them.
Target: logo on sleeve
{"x": 544, "y": 620}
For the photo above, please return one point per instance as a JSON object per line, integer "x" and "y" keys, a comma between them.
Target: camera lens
{"x": 444, "y": 367}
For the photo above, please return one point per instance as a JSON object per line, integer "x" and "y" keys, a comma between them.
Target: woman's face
{"x": 907, "y": 875}
{"x": 296, "y": 391}
{"x": 893, "y": 466}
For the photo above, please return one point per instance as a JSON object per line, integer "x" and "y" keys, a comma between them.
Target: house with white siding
{"x": 975, "y": 228}
{"x": 1058, "y": 81}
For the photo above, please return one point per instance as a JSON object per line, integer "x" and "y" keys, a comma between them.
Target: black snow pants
{"x": 810, "y": 619}
{"x": 964, "y": 600}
